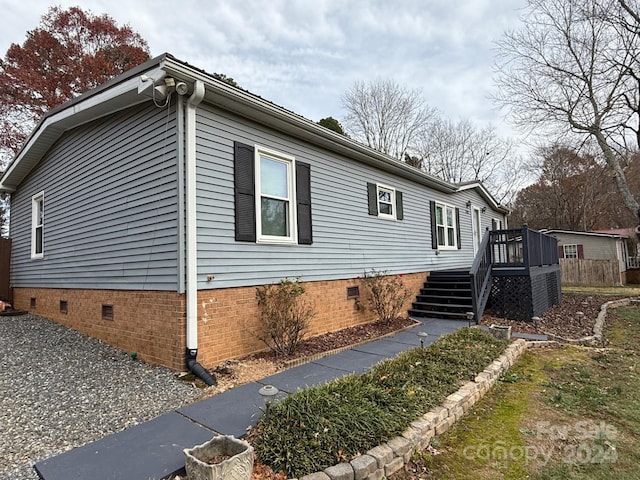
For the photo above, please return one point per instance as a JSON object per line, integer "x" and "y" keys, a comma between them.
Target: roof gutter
{"x": 255, "y": 108}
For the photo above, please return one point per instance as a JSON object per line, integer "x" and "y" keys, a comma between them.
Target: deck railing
{"x": 511, "y": 249}
{"x": 633, "y": 262}
{"x": 481, "y": 276}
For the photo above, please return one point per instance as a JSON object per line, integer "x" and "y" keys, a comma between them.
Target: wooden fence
{"x": 590, "y": 273}
{"x": 5, "y": 267}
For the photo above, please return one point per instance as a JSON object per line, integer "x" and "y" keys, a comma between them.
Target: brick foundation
{"x": 153, "y": 323}
{"x": 150, "y": 323}
{"x": 229, "y": 318}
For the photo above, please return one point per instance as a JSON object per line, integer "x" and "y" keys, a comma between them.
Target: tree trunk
{"x": 621, "y": 180}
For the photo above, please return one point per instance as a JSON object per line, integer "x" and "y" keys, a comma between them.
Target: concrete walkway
{"x": 153, "y": 450}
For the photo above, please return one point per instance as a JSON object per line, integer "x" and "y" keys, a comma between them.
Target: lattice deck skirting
{"x": 521, "y": 297}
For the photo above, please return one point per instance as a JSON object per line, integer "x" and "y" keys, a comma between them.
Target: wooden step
{"x": 449, "y": 306}
{"x": 443, "y": 300}
{"x": 438, "y": 314}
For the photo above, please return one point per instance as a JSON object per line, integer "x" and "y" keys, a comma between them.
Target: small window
{"x": 386, "y": 202}
{"x": 446, "y": 226}
{"x": 32, "y": 303}
{"x": 37, "y": 225}
{"x": 275, "y": 203}
{"x": 64, "y": 306}
{"x": 107, "y": 312}
{"x": 570, "y": 251}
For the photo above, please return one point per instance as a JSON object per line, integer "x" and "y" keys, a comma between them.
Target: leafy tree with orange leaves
{"x": 70, "y": 52}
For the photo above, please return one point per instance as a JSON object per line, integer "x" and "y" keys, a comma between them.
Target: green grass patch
{"x": 574, "y": 411}
{"x": 321, "y": 426}
{"x": 603, "y": 386}
{"x": 478, "y": 446}
{"x": 624, "y": 290}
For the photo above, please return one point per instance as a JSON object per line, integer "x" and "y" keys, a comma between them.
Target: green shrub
{"x": 386, "y": 294}
{"x": 321, "y": 426}
{"x": 284, "y": 315}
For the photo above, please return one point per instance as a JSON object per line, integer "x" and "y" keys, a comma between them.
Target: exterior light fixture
{"x": 268, "y": 394}
{"x": 422, "y": 336}
{"x": 468, "y": 204}
{"x": 470, "y": 317}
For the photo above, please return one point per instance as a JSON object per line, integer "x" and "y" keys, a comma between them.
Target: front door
{"x": 475, "y": 230}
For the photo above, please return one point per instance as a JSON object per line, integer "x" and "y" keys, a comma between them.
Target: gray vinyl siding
{"x": 110, "y": 206}
{"x": 594, "y": 247}
{"x": 346, "y": 239}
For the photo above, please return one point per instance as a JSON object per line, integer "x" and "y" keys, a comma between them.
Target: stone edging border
{"x": 596, "y": 338}
{"x": 386, "y": 459}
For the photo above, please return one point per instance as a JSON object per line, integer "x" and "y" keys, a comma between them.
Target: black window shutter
{"x": 303, "y": 202}
{"x": 399, "y": 206}
{"x": 372, "y": 192}
{"x": 580, "y": 250}
{"x": 434, "y": 228}
{"x": 560, "y": 251}
{"x": 458, "y": 228}
{"x": 244, "y": 187}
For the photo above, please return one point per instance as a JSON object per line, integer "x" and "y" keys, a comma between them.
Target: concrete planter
{"x": 222, "y": 457}
{"x": 502, "y": 332}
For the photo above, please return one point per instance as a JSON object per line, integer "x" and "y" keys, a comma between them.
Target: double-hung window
{"x": 37, "y": 225}
{"x": 446, "y": 226}
{"x": 272, "y": 196}
{"x": 570, "y": 251}
{"x": 276, "y": 205}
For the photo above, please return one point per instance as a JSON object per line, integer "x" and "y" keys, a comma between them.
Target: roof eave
{"x": 484, "y": 193}
{"x": 259, "y": 110}
{"x": 114, "y": 95}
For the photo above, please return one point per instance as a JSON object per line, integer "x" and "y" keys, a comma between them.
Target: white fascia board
{"x": 589, "y": 234}
{"x": 257, "y": 109}
{"x": 484, "y": 193}
{"x": 78, "y": 112}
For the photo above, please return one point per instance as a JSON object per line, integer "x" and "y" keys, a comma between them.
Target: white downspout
{"x": 192, "y": 235}
{"x": 191, "y": 231}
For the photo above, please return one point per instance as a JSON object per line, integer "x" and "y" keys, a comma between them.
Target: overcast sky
{"x": 303, "y": 55}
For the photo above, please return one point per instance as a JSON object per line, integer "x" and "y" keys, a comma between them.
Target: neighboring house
{"x": 631, "y": 244}
{"x": 148, "y": 220}
{"x": 600, "y": 246}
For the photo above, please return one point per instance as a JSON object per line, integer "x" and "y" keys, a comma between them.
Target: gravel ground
{"x": 60, "y": 389}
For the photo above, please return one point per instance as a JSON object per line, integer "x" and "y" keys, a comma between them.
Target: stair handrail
{"x": 481, "y": 277}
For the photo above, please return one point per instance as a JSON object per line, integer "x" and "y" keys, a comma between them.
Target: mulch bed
{"x": 341, "y": 338}
{"x": 562, "y": 320}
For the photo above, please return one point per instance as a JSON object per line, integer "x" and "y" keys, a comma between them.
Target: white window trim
{"x": 393, "y": 216}
{"x": 291, "y": 175}
{"x": 455, "y": 231}
{"x": 35, "y": 199}
{"x": 564, "y": 251}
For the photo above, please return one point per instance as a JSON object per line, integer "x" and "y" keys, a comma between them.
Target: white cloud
{"x": 304, "y": 55}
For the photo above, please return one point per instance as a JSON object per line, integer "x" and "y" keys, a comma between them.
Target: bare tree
{"x": 385, "y": 116}
{"x": 461, "y": 152}
{"x": 572, "y": 70}
{"x": 574, "y": 191}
